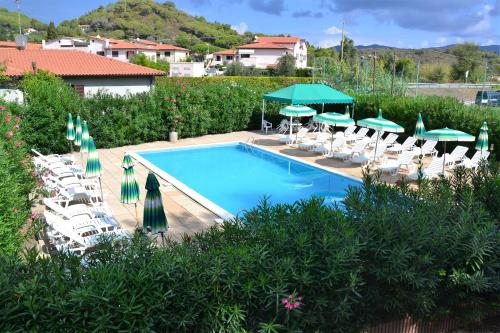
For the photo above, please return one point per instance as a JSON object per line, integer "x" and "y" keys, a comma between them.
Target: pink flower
{"x": 174, "y": 100}
{"x": 10, "y": 134}
{"x": 292, "y": 302}
{"x": 34, "y": 215}
{"x": 7, "y": 119}
{"x": 2, "y": 108}
{"x": 34, "y": 174}
{"x": 16, "y": 127}
{"x": 17, "y": 120}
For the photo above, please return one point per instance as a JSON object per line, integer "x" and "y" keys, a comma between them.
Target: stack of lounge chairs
{"x": 76, "y": 218}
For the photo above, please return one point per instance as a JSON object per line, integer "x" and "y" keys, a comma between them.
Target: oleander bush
{"x": 391, "y": 251}
{"x": 16, "y": 182}
{"x": 212, "y": 105}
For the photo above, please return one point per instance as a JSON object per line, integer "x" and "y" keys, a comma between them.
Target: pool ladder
{"x": 250, "y": 141}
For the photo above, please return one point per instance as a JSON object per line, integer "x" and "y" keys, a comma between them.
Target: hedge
{"x": 199, "y": 106}
{"x": 428, "y": 252}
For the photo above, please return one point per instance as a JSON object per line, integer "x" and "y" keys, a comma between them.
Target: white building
{"x": 187, "y": 69}
{"x": 170, "y": 53}
{"x": 87, "y": 73}
{"x": 296, "y": 44}
{"x": 222, "y": 58}
{"x": 262, "y": 55}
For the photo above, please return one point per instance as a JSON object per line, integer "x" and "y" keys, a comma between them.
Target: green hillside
{"x": 9, "y": 26}
{"x": 162, "y": 22}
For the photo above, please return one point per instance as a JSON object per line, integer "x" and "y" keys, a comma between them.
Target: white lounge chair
{"x": 66, "y": 159}
{"x": 77, "y": 193}
{"x": 456, "y": 156}
{"x": 266, "y": 125}
{"x": 428, "y": 148}
{"x": 398, "y": 148}
{"x": 394, "y": 165}
{"x": 69, "y": 210}
{"x": 283, "y": 127}
{"x": 365, "y": 157}
{"x": 390, "y": 139}
{"x": 346, "y": 153}
{"x": 472, "y": 163}
{"x": 432, "y": 170}
{"x": 360, "y": 134}
{"x": 328, "y": 147}
{"x": 297, "y": 137}
{"x": 308, "y": 144}
{"x": 347, "y": 132}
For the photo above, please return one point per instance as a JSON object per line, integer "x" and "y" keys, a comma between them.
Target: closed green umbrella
{"x": 296, "y": 111}
{"x": 334, "y": 119}
{"x": 93, "y": 168}
{"x": 380, "y": 124}
{"x": 78, "y": 132}
{"x": 154, "y": 218}
{"x": 419, "y": 127}
{"x": 482, "y": 140}
{"x": 447, "y": 134}
{"x": 129, "y": 188}
{"x": 70, "y": 131}
{"x": 85, "y": 138}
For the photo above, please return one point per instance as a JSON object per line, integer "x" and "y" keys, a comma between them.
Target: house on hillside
{"x": 264, "y": 52}
{"x": 88, "y": 73}
{"x": 170, "y": 53}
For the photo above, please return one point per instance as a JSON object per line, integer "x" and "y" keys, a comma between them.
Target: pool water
{"x": 237, "y": 176}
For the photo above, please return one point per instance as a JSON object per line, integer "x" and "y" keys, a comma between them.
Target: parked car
{"x": 488, "y": 98}
{"x": 213, "y": 72}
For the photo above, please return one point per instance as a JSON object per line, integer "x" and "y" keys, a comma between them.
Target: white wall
{"x": 175, "y": 55}
{"x": 189, "y": 69}
{"x": 12, "y": 95}
{"x": 261, "y": 58}
{"x": 118, "y": 86}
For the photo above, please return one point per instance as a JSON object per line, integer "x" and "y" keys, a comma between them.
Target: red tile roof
{"x": 144, "y": 41}
{"x": 226, "y": 52}
{"x": 122, "y": 45}
{"x": 31, "y": 46}
{"x": 262, "y": 45}
{"x": 168, "y": 47}
{"x": 64, "y": 63}
{"x": 279, "y": 40}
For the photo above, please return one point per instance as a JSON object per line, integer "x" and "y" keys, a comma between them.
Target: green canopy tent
{"x": 306, "y": 94}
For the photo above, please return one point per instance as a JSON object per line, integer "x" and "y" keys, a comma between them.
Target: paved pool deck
{"x": 186, "y": 216}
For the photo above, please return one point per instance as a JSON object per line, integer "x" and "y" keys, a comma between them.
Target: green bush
{"x": 427, "y": 252}
{"x": 16, "y": 182}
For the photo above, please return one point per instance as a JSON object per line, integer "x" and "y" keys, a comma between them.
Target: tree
{"x": 437, "y": 74}
{"x": 51, "y": 31}
{"x": 468, "y": 58}
{"x": 142, "y": 60}
{"x": 235, "y": 69}
{"x": 286, "y": 65}
{"x": 349, "y": 51}
{"x": 405, "y": 67}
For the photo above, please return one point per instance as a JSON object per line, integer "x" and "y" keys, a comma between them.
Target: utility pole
{"x": 418, "y": 76}
{"x": 19, "y": 16}
{"x": 393, "y": 72}
{"x": 373, "y": 72}
{"x": 342, "y": 44}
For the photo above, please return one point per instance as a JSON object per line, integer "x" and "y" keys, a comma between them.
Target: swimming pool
{"x": 228, "y": 178}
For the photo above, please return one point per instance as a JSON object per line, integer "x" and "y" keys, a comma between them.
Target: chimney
{"x": 43, "y": 44}
{"x": 106, "y": 43}
{"x": 21, "y": 42}
{"x": 34, "y": 66}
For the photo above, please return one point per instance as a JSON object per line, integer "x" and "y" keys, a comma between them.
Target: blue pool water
{"x": 236, "y": 176}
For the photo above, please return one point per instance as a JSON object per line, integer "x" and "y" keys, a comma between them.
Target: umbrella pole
{"x": 100, "y": 185}
{"x": 71, "y": 146}
{"x": 291, "y": 127}
{"x": 331, "y": 144}
{"x": 444, "y": 157}
{"x": 136, "y": 215}
{"x": 376, "y": 145}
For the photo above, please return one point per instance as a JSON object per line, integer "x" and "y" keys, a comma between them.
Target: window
{"x": 244, "y": 56}
{"x": 158, "y": 54}
{"x": 217, "y": 58}
{"x": 229, "y": 57}
{"x": 166, "y": 53}
{"x": 101, "y": 53}
{"x": 79, "y": 88}
{"x": 114, "y": 54}
{"x": 130, "y": 54}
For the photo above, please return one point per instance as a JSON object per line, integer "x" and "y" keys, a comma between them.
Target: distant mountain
{"x": 489, "y": 48}
{"x": 161, "y": 22}
{"x": 9, "y": 26}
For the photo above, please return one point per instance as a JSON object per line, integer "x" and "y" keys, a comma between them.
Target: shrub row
{"x": 428, "y": 252}
{"x": 199, "y": 106}
{"x": 16, "y": 182}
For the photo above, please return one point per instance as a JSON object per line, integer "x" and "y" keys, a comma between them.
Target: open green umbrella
{"x": 78, "y": 132}
{"x": 129, "y": 188}
{"x": 334, "y": 119}
{"x": 85, "y": 138}
{"x": 93, "y": 168}
{"x": 70, "y": 131}
{"x": 380, "y": 124}
{"x": 154, "y": 218}
{"x": 296, "y": 111}
{"x": 482, "y": 140}
{"x": 447, "y": 134}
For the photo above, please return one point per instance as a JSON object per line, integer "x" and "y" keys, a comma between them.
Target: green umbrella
{"x": 70, "y": 131}
{"x": 154, "y": 218}
{"x": 447, "y": 134}
{"x": 334, "y": 119}
{"x": 78, "y": 131}
{"x": 129, "y": 188}
{"x": 419, "y": 128}
{"x": 380, "y": 124}
{"x": 85, "y": 138}
{"x": 482, "y": 140}
{"x": 93, "y": 168}
{"x": 296, "y": 111}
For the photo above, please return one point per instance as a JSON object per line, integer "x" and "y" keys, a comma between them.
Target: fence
{"x": 409, "y": 325}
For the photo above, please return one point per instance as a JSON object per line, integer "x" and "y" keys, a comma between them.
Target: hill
{"x": 161, "y": 22}
{"x": 9, "y": 26}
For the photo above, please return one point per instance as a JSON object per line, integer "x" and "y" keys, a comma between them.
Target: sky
{"x": 398, "y": 23}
